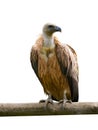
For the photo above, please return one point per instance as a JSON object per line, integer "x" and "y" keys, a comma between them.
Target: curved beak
{"x": 58, "y": 29}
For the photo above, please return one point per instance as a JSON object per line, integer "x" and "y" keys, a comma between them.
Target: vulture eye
{"x": 50, "y": 26}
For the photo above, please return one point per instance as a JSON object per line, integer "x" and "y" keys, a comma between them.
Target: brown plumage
{"x": 55, "y": 65}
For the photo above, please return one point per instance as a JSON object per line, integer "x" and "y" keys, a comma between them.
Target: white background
{"x": 21, "y": 22}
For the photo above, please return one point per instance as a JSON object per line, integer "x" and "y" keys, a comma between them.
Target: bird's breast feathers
{"x": 46, "y": 53}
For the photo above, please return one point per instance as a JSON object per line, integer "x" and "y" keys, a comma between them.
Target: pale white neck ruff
{"x": 48, "y": 41}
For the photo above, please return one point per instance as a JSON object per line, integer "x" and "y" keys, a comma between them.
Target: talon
{"x": 49, "y": 100}
{"x": 68, "y": 101}
{"x": 65, "y": 101}
{"x": 42, "y": 101}
{"x": 46, "y": 101}
{"x": 61, "y": 101}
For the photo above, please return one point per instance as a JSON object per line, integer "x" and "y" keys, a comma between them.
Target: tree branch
{"x": 33, "y": 109}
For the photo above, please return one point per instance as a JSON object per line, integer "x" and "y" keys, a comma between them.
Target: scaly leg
{"x": 65, "y": 100}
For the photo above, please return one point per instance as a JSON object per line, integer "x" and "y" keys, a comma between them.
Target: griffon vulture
{"x": 55, "y": 65}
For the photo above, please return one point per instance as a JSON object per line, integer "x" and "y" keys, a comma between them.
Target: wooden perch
{"x": 33, "y": 109}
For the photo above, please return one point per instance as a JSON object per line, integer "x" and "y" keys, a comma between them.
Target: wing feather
{"x": 34, "y": 59}
{"x": 34, "y": 54}
{"x": 67, "y": 59}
